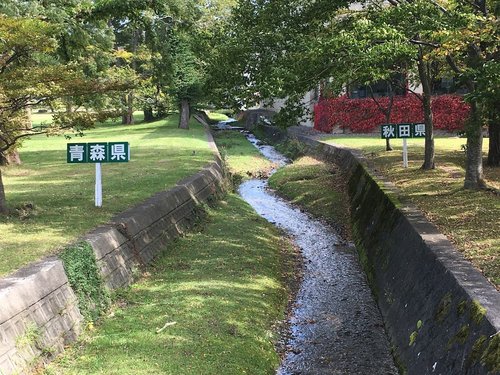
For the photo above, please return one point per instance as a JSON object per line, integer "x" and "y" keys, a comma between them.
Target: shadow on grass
{"x": 63, "y": 194}
{"x": 222, "y": 289}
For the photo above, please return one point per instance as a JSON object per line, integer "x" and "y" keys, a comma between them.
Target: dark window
{"x": 381, "y": 88}
{"x": 446, "y": 85}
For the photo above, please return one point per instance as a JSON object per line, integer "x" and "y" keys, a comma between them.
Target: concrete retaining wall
{"x": 38, "y": 310}
{"x": 135, "y": 237}
{"x": 442, "y": 315}
{"x": 38, "y": 315}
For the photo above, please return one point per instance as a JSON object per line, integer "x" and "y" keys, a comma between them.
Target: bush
{"x": 83, "y": 275}
{"x": 363, "y": 115}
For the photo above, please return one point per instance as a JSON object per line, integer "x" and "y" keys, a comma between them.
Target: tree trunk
{"x": 474, "y": 163}
{"x": 494, "y": 135}
{"x": 184, "y": 114}
{"x": 424, "y": 75}
{"x": 148, "y": 114}
{"x": 29, "y": 118}
{"x": 11, "y": 158}
{"x": 3, "y": 202}
{"x": 386, "y": 111}
{"x": 128, "y": 115}
{"x": 388, "y": 146}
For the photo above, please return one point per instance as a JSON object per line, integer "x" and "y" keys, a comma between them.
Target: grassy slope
{"x": 63, "y": 194}
{"x": 317, "y": 187}
{"x": 243, "y": 159}
{"x": 224, "y": 289}
{"x": 469, "y": 218}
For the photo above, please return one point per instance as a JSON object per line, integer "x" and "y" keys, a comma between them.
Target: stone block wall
{"x": 135, "y": 237}
{"x": 38, "y": 315}
{"x": 442, "y": 315}
{"x": 39, "y": 312}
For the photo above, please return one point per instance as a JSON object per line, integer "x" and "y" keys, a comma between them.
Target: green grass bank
{"x": 318, "y": 188}
{"x": 243, "y": 159}
{"x": 53, "y": 202}
{"x": 213, "y": 303}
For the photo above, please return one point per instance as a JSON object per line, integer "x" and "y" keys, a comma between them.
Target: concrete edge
{"x": 465, "y": 285}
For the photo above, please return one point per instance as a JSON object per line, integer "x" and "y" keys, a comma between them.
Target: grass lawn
{"x": 217, "y": 116}
{"x": 244, "y": 160}
{"x": 317, "y": 187}
{"x": 210, "y": 305}
{"x": 470, "y": 219}
{"x": 63, "y": 194}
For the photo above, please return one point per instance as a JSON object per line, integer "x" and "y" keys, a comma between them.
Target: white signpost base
{"x": 405, "y": 153}
{"x": 98, "y": 185}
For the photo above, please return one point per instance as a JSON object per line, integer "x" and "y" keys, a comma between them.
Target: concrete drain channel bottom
{"x": 336, "y": 327}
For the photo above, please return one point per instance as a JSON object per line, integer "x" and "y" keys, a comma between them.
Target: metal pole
{"x": 405, "y": 153}
{"x": 98, "y": 185}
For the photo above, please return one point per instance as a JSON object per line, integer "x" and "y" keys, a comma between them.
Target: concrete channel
{"x": 336, "y": 327}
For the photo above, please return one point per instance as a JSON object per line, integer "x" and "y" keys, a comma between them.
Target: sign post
{"x": 98, "y": 153}
{"x": 404, "y": 131}
{"x": 98, "y": 185}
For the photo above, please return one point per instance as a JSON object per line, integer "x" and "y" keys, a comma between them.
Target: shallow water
{"x": 336, "y": 327}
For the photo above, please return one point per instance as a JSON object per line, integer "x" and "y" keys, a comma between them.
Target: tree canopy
{"x": 106, "y": 56}
{"x": 282, "y": 49}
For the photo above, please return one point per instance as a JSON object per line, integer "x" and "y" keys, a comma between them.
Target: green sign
{"x": 98, "y": 152}
{"x": 418, "y": 131}
{"x": 408, "y": 130}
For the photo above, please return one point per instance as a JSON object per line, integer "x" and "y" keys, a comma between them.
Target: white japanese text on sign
{"x": 98, "y": 152}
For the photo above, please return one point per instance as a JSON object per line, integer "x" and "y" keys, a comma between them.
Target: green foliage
{"x": 477, "y": 312}
{"x": 84, "y": 278}
{"x": 491, "y": 356}
{"x": 187, "y": 72}
{"x": 460, "y": 337}
{"x": 443, "y": 308}
{"x": 52, "y": 54}
{"x": 413, "y": 338}
{"x": 30, "y": 338}
{"x": 282, "y": 49}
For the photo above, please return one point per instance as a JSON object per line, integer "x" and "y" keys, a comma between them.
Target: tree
{"x": 168, "y": 30}
{"x": 187, "y": 82}
{"x": 31, "y": 75}
{"x": 469, "y": 41}
{"x": 289, "y": 46}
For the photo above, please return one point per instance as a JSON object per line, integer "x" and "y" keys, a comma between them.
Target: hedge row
{"x": 364, "y": 115}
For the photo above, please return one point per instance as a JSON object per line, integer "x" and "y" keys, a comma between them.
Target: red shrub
{"x": 363, "y": 115}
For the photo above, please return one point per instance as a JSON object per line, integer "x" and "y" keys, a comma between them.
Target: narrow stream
{"x": 336, "y": 326}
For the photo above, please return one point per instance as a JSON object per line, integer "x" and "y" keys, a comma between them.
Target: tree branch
{"x": 423, "y": 43}
{"x": 372, "y": 95}
{"x": 453, "y": 65}
{"x": 393, "y": 2}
